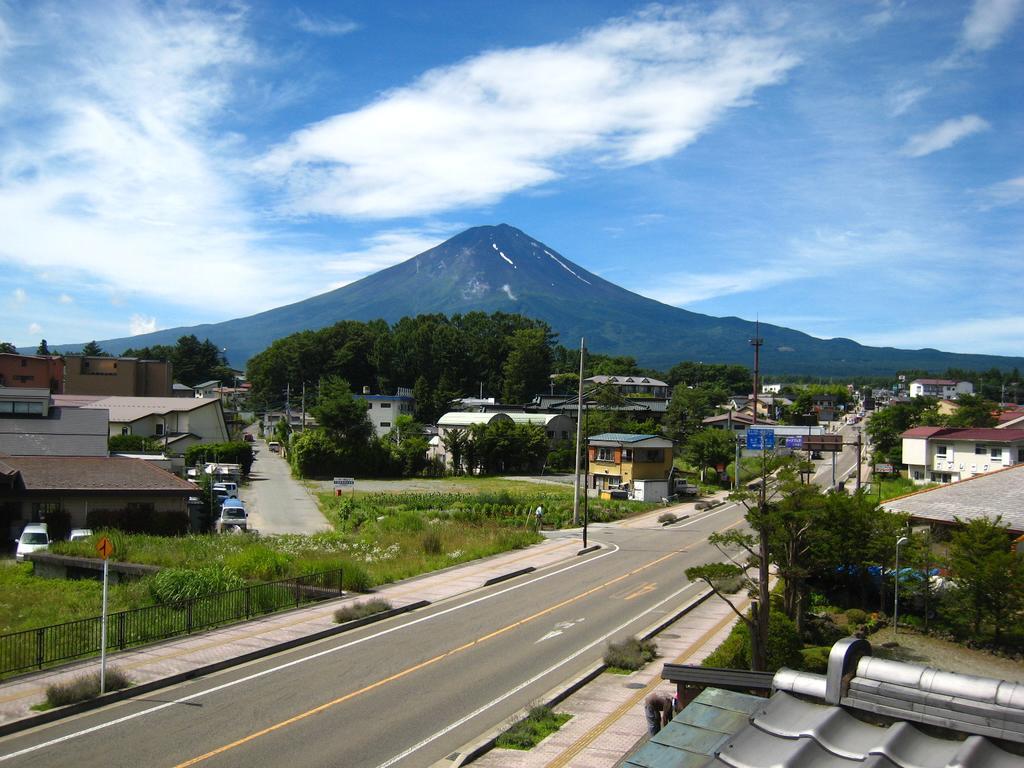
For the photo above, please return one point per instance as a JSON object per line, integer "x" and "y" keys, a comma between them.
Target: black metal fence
{"x": 59, "y": 642}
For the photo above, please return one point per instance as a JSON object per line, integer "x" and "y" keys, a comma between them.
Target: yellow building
{"x": 638, "y": 464}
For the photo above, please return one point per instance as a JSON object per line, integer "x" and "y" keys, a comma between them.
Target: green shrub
{"x": 84, "y": 687}
{"x": 541, "y": 722}
{"x": 175, "y": 585}
{"x": 258, "y": 561}
{"x": 431, "y": 542}
{"x": 355, "y": 578}
{"x": 361, "y": 610}
{"x": 784, "y": 644}
{"x": 856, "y": 616}
{"x": 667, "y": 518}
{"x": 815, "y": 659}
{"x": 734, "y": 651}
{"x": 630, "y": 654}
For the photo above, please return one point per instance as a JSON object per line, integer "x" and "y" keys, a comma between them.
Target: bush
{"x": 667, "y": 518}
{"x": 258, "y": 561}
{"x": 355, "y": 578}
{"x": 631, "y": 654}
{"x": 855, "y": 616}
{"x": 175, "y": 585}
{"x": 431, "y": 542}
{"x": 541, "y": 722}
{"x": 815, "y": 659}
{"x": 84, "y": 687}
{"x": 361, "y": 610}
{"x": 784, "y": 646}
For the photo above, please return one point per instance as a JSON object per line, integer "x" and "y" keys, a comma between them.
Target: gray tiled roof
{"x": 988, "y": 495}
{"x": 63, "y": 432}
{"x": 92, "y": 473}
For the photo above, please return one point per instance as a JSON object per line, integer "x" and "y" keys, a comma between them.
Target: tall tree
{"x": 988, "y": 575}
{"x": 342, "y": 416}
{"x": 6, "y": 346}
{"x": 710, "y": 448}
{"x": 92, "y": 349}
{"x": 42, "y": 349}
{"x": 527, "y": 366}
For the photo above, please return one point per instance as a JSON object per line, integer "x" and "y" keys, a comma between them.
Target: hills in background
{"x": 500, "y": 268}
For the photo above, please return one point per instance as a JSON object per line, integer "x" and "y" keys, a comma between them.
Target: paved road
{"x": 407, "y": 691}
{"x": 278, "y": 503}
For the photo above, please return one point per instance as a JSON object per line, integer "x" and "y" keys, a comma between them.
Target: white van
{"x": 34, "y": 538}
{"x": 230, "y": 489}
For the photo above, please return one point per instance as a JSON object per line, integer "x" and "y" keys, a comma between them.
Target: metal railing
{"x": 59, "y": 642}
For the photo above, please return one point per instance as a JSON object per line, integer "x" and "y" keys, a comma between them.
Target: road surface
{"x": 277, "y": 503}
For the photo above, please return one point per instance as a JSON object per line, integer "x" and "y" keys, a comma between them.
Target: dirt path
{"x": 940, "y": 654}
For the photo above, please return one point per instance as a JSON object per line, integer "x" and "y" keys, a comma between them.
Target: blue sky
{"x": 847, "y": 169}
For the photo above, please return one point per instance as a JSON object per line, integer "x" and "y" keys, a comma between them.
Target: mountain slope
{"x": 500, "y": 268}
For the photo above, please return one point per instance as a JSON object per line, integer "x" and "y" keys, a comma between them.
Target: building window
{"x": 940, "y": 450}
{"x": 385, "y": 405}
{"x": 997, "y": 453}
{"x": 605, "y": 454}
{"x": 979, "y": 449}
{"x": 652, "y": 455}
{"x": 918, "y": 474}
{"x": 1020, "y": 454}
{"x": 385, "y": 424}
{"x": 159, "y": 429}
{"x": 126, "y": 430}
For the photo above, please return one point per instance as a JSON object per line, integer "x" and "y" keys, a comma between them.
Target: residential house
{"x": 32, "y": 371}
{"x": 458, "y": 421}
{"x": 1011, "y": 418}
{"x": 178, "y": 423}
{"x": 556, "y": 426}
{"x": 996, "y": 494}
{"x": 66, "y": 488}
{"x": 384, "y": 410}
{"x": 944, "y": 455}
{"x": 737, "y": 421}
{"x": 122, "y": 376}
{"x": 639, "y": 464}
{"x": 182, "y": 390}
{"x": 632, "y": 386}
{"x": 31, "y": 426}
{"x": 947, "y": 389}
{"x": 207, "y": 389}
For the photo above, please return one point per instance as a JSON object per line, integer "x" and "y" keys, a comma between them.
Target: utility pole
{"x": 288, "y": 407}
{"x": 859, "y": 447}
{"x": 579, "y": 433}
{"x": 303, "y": 406}
{"x": 756, "y": 343}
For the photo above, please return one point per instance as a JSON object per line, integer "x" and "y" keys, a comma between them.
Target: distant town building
{"x": 631, "y": 386}
{"x": 32, "y": 371}
{"x": 637, "y": 464}
{"x": 120, "y": 376}
{"x": 383, "y": 410}
{"x": 947, "y": 389}
{"x": 943, "y": 455}
{"x": 31, "y": 426}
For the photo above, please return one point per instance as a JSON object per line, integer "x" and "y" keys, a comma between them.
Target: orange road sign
{"x": 105, "y": 547}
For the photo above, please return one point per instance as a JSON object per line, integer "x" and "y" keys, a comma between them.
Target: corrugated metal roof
{"x": 128, "y": 409}
{"x": 536, "y": 418}
{"x": 465, "y": 418}
{"x": 622, "y": 437}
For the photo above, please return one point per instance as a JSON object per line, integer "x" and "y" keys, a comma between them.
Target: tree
{"x": 7, "y": 347}
{"x": 341, "y": 415}
{"x": 92, "y": 349}
{"x": 886, "y": 425}
{"x": 455, "y": 443}
{"x": 42, "y": 349}
{"x": 687, "y": 409}
{"x": 527, "y": 366}
{"x": 973, "y": 411}
{"x": 710, "y": 448}
{"x": 988, "y": 575}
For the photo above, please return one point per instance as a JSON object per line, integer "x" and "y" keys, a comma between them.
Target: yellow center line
{"x": 613, "y": 717}
{"x": 421, "y": 665}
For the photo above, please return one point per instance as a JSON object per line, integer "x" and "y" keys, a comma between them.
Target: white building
{"x": 942, "y": 455}
{"x": 384, "y": 410}
{"x": 946, "y": 389}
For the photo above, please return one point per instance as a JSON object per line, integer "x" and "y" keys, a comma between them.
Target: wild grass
{"x": 84, "y": 687}
{"x": 361, "y": 610}
{"x": 527, "y": 733}
{"x": 629, "y": 655}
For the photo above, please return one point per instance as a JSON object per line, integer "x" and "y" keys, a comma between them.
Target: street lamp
{"x": 896, "y": 589}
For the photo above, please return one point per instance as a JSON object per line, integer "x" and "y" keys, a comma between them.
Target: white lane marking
{"x": 549, "y": 635}
{"x": 302, "y": 660}
{"x": 452, "y": 726}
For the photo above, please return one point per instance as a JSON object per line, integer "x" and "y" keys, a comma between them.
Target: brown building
{"x": 124, "y": 376}
{"x": 33, "y": 371}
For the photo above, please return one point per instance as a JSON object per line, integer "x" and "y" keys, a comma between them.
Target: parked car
{"x": 274, "y": 446}
{"x": 79, "y": 533}
{"x": 33, "y": 538}
{"x": 247, "y": 437}
{"x": 230, "y": 489}
{"x": 232, "y": 516}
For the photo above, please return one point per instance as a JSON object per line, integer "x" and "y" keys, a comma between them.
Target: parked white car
{"x": 79, "y": 533}
{"x": 33, "y": 538}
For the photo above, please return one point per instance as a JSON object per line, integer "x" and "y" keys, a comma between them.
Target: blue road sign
{"x": 760, "y": 439}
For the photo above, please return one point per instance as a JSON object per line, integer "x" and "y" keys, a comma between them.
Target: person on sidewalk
{"x": 539, "y": 514}
{"x": 659, "y": 707}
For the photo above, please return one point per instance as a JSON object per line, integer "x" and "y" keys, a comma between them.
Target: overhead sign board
{"x": 760, "y": 439}
{"x": 827, "y": 443}
{"x": 795, "y": 441}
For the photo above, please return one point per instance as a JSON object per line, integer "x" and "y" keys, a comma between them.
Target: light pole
{"x": 896, "y": 589}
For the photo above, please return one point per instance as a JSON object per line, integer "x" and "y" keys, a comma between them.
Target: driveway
{"x": 278, "y": 503}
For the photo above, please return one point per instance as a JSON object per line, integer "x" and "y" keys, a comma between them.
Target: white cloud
{"x": 35, "y": 328}
{"x": 1001, "y": 334}
{"x": 988, "y": 22}
{"x": 116, "y": 178}
{"x": 629, "y": 92}
{"x": 901, "y": 100}
{"x": 66, "y": 299}
{"x": 1009, "y": 192}
{"x": 382, "y": 250}
{"x": 322, "y": 26}
{"x": 139, "y": 324}
{"x": 944, "y": 136}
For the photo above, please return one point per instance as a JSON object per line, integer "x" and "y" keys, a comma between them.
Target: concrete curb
{"x": 164, "y": 682}
{"x": 558, "y": 694}
{"x": 507, "y": 576}
{"x": 586, "y": 550}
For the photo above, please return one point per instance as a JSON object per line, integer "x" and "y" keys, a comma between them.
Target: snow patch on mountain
{"x": 506, "y": 258}
{"x": 563, "y": 266}
{"x": 508, "y": 291}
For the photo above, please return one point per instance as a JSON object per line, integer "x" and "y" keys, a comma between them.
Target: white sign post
{"x": 105, "y": 548}
{"x": 343, "y": 484}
